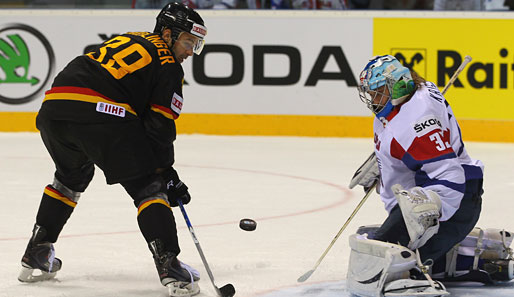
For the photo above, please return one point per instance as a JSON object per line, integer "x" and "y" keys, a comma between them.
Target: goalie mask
{"x": 180, "y": 18}
{"x": 384, "y": 83}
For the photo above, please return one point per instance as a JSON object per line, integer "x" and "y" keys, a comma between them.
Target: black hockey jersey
{"x": 133, "y": 76}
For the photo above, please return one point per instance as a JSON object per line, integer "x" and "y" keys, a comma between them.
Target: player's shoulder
{"x": 423, "y": 112}
{"x": 428, "y": 94}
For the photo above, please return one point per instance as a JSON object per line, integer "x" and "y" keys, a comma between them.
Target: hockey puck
{"x": 247, "y": 224}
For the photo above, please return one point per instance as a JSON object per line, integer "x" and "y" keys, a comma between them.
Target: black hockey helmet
{"x": 181, "y": 18}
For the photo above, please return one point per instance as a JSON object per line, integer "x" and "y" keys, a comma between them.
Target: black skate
{"x": 489, "y": 273}
{"x": 39, "y": 262}
{"x": 181, "y": 279}
{"x": 500, "y": 270}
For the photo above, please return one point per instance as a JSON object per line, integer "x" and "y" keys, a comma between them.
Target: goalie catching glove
{"x": 367, "y": 174}
{"x": 421, "y": 209}
{"x": 176, "y": 189}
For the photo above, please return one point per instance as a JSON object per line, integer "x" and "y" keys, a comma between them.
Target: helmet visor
{"x": 191, "y": 43}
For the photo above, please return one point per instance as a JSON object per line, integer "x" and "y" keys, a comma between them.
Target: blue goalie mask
{"x": 384, "y": 83}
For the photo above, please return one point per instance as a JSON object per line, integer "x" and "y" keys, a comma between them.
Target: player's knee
{"x": 148, "y": 187}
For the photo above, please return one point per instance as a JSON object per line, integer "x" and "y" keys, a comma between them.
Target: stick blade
{"x": 227, "y": 290}
{"x": 304, "y": 277}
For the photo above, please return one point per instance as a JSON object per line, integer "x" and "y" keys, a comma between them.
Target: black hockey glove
{"x": 177, "y": 190}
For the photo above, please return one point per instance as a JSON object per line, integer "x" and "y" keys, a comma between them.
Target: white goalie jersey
{"x": 422, "y": 146}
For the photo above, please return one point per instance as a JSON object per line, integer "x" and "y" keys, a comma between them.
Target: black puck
{"x": 247, "y": 224}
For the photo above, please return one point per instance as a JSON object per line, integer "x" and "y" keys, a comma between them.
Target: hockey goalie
{"x": 431, "y": 189}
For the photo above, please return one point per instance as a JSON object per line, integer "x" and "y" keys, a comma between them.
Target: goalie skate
{"x": 407, "y": 287}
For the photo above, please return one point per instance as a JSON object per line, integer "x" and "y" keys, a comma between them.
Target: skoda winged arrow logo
{"x": 27, "y": 62}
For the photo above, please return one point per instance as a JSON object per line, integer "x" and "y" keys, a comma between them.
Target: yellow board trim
{"x": 285, "y": 125}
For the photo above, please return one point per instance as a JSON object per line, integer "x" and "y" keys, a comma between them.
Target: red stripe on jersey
{"x": 431, "y": 145}
{"x": 77, "y": 90}
{"x": 167, "y": 112}
{"x": 397, "y": 150}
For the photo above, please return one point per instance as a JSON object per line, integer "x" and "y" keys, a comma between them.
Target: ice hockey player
{"x": 115, "y": 108}
{"x": 431, "y": 189}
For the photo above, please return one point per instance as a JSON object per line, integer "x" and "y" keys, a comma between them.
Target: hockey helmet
{"x": 384, "y": 83}
{"x": 181, "y": 18}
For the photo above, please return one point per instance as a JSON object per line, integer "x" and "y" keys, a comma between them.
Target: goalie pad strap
{"x": 478, "y": 249}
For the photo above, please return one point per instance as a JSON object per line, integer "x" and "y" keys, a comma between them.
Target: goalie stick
{"x": 227, "y": 290}
{"x": 467, "y": 59}
{"x": 308, "y": 274}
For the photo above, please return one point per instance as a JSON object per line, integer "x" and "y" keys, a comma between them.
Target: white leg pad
{"x": 378, "y": 269}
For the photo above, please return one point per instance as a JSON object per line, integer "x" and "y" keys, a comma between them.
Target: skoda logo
{"x": 27, "y": 62}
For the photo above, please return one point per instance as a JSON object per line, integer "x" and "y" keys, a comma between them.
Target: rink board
{"x": 281, "y": 72}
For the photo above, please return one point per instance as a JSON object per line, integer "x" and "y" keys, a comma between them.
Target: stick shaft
{"x": 198, "y": 247}
{"x": 467, "y": 59}
{"x": 357, "y": 208}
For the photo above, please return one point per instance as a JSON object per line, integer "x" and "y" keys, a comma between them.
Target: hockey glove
{"x": 367, "y": 174}
{"x": 176, "y": 189}
{"x": 421, "y": 209}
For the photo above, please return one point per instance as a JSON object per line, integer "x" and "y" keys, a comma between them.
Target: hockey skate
{"x": 180, "y": 279}
{"x": 39, "y": 262}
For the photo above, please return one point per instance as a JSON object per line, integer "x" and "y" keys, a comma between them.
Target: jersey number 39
{"x": 116, "y": 62}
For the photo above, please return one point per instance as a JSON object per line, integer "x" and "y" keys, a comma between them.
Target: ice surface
{"x": 294, "y": 187}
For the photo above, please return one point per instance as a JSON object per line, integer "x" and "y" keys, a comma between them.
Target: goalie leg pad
{"x": 483, "y": 256}
{"x": 378, "y": 269}
{"x": 420, "y": 210}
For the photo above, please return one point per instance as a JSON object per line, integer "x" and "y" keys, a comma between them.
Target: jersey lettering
{"x": 118, "y": 63}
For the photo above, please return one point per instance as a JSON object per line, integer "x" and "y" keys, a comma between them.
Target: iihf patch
{"x": 176, "y": 103}
{"x": 111, "y": 109}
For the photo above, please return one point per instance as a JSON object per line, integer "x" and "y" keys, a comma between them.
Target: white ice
{"x": 294, "y": 187}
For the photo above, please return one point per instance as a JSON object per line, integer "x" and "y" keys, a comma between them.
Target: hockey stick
{"x": 227, "y": 290}
{"x": 308, "y": 274}
{"x": 467, "y": 59}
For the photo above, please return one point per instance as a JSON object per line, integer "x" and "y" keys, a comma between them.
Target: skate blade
{"x": 31, "y": 275}
{"x": 181, "y": 289}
